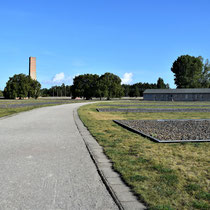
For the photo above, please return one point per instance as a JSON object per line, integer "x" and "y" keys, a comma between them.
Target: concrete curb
{"x": 121, "y": 193}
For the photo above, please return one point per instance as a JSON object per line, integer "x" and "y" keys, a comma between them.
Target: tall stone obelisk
{"x": 32, "y": 67}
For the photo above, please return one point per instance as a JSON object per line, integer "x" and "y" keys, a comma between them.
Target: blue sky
{"x": 136, "y": 39}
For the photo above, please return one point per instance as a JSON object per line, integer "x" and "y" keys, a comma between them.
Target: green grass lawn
{"x": 164, "y": 176}
{"x": 10, "y": 111}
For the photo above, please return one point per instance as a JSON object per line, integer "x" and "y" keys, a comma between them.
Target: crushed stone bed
{"x": 145, "y": 101}
{"x": 167, "y": 105}
{"x": 153, "y": 110}
{"x": 171, "y": 130}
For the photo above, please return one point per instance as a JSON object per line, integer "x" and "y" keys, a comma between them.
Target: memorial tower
{"x": 32, "y": 67}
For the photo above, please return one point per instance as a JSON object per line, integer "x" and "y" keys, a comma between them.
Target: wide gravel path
{"x": 44, "y": 163}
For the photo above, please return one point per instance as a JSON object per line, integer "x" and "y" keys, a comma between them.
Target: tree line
{"x": 189, "y": 72}
{"x": 137, "y": 89}
{"x": 107, "y": 86}
{"x": 57, "y": 91}
{"x": 88, "y": 86}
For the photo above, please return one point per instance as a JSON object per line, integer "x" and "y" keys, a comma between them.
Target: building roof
{"x": 183, "y": 90}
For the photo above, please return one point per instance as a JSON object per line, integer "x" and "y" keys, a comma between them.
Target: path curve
{"x": 44, "y": 163}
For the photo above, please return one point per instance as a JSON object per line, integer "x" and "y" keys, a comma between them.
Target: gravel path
{"x": 152, "y": 110}
{"x": 45, "y": 164}
{"x": 172, "y": 129}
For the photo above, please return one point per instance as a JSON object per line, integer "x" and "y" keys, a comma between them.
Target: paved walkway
{"x": 44, "y": 163}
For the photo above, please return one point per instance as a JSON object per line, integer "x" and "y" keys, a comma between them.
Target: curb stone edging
{"x": 123, "y": 197}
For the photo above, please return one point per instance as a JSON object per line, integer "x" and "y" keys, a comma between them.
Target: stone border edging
{"x": 155, "y": 139}
{"x": 121, "y": 193}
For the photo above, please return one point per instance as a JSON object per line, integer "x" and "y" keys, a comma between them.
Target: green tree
{"x": 1, "y": 93}
{"x": 141, "y": 88}
{"x": 21, "y": 86}
{"x": 85, "y": 86}
{"x": 45, "y": 92}
{"x": 188, "y": 71}
{"x": 110, "y": 86}
{"x": 205, "y": 79}
{"x": 161, "y": 84}
{"x": 68, "y": 90}
{"x": 134, "y": 90}
{"x": 34, "y": 89}
{"x": 126, "y": 89}
{"x": 63, "y": 89}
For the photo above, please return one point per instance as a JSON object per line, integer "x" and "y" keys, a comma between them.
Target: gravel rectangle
{"x": 153, "y": 110}
{"x": 154, "y": 105}
{"x": 170, "y": 130}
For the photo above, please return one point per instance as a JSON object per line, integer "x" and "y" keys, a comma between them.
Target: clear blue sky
{"x": 69, "y": 37}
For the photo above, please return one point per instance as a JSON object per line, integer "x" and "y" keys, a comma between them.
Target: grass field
{"x": 27, "y": 105}
{"x": 164, "y": 176}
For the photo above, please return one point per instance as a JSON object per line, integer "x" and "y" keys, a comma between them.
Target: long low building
{"x": 185, "y": 94}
